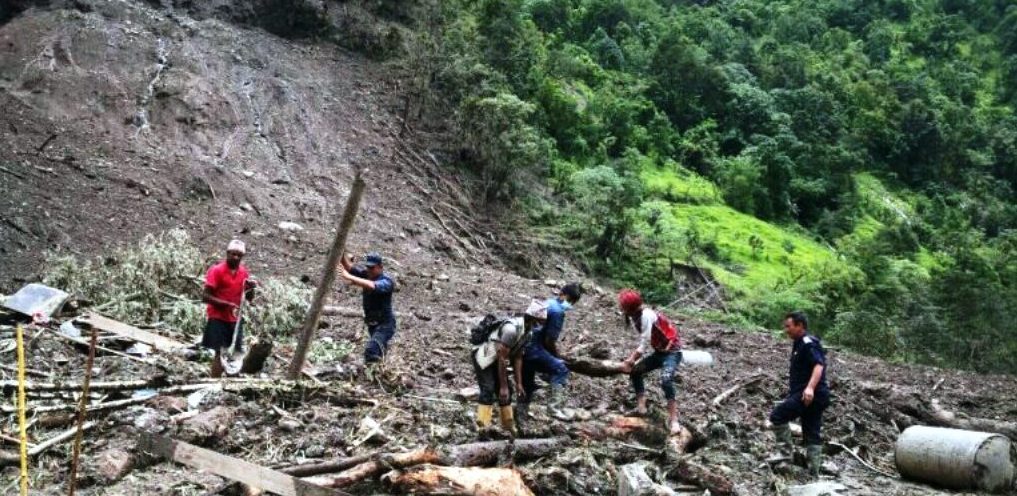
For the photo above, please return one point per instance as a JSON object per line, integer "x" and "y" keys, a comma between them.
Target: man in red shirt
{"x": 225, "y": 282}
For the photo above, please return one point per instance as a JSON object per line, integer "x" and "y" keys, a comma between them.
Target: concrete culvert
{"x": 955, "y": 458}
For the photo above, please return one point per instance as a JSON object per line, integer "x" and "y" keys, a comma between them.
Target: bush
{"x": 160, "y": 280}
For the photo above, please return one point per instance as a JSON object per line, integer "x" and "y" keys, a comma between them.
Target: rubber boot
{"x": 557, "y": 396}
{"x": 484, "y": 414}
{"x": 507, "y": 420}
{"x": 784, "y": 449}
{"x": 814, "y": 454}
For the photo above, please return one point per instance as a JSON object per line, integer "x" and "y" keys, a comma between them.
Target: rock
{"x": 113, "y": 464}
{"x": 817, "y": 489}
{"x": 633, "y": 481}
{"x": 152, "y": 420}
{"x": 551, "y": 283}
{"x": 211, "y": 424}
{"x": 470, "y": 393}
{"x": 463, "y": 306}
{"x": 290, "y": 425}
{"x": 316, "y": 451}
{"x": 290, "y": 226}
{"x": 442, "y": 277}
{"x": 169, "y": 404}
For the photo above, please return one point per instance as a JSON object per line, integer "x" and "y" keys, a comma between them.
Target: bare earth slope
{"x": 121, "y": 119}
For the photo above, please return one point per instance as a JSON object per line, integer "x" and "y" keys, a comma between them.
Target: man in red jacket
{"x": 225, "y": 282}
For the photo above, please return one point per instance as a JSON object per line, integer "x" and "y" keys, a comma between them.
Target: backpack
{"x": 665, "y": 336}
{"x": 480, "y": 333}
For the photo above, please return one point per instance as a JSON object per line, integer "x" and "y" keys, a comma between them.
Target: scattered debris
{"x": 226, "y": 466}
{"x": 37, "y": 299}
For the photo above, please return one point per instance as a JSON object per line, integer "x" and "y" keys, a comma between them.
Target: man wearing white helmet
{"x": 225, "y": 283}
{"x": 504, "y": 344}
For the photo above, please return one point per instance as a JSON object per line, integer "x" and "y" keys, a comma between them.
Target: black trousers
{"x": 812, "y": 416}
{"x": 487, "y": 380}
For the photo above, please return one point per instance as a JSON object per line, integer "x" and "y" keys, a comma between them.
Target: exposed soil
{"x": 124, "y": 118}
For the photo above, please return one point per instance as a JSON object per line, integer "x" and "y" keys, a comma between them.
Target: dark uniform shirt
{"x": 806, "y": 353}
{"x": 377, "y": 303}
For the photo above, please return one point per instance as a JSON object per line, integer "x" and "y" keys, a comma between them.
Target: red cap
{"x": 629, "y": 301}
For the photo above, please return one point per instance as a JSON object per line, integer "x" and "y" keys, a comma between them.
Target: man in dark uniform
{"x": 809, "y": 394}
{"x": 378, "y": 313}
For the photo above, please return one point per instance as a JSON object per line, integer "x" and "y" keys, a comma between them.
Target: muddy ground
{"x": 121, "y": 119}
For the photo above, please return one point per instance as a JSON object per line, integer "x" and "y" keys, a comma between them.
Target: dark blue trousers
{"x": 812, "y": 415}
{"x": 379, "y": 334}
{"x": 539, "y": 360}
{"x": 666, "y": 361}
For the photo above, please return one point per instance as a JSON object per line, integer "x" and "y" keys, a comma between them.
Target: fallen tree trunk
{"x": 489, "y": 453}
{"x": 945, "y": 418}
{"x": 458, "y": 481}
{"x": 327, "y": 467}
{"x": 377, "y": 466}
{"x": 595, "y": 368}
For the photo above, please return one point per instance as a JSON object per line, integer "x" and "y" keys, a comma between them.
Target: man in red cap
{"x": 225, "y": 282}
{"x": 659, "y": 348}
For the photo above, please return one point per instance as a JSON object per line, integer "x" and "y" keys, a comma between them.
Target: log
{"x": 328, "y": 276}
{"x": 595, "y": 368}
{"x": 377, "y": 466}
{"x": 693, "y": 473}
{"x": 459, "y": 481}
{"x": 734, "y": 389}
{"x": 229, "y": 467}
{"x": 945, "y": 418}
{"x": 327, "y": 467}
{"x": 254, "y": 360}
{"x": 489, "y": 453}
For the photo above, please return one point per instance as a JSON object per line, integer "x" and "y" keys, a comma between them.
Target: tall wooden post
{"x": 327, "y": 278}
{"x": 82, "y": 410}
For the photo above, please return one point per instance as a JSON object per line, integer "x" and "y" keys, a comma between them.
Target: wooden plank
{"x": 161, "y": 343}
{"x": 229, "y": 467}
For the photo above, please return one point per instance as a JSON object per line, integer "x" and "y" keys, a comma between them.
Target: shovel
{"x": 233, "y": 359}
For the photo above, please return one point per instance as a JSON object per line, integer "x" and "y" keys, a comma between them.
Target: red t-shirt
{"x": 227, "y": 286}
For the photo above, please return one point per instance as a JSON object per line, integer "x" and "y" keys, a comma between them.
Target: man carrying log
{"x": 504, "y": 344}
{"x": 225, "y": 283}
{"x": 377, "y": 289}
{"x": 659, "y": 348}
{"x": 808, "y": 394}
{"x": 542, "y": 354}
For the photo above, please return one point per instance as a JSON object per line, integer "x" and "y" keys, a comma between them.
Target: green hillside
{"x": 854, "y": 159}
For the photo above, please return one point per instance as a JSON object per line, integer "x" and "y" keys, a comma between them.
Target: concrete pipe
{"x": 955, "y": 458}
{"x": 697, "y": 358}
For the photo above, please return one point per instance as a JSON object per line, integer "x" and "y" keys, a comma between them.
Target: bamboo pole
{"x": 328, "y": 277}
{"x": 22, "y": 425}
{"x": 82, "y": 409}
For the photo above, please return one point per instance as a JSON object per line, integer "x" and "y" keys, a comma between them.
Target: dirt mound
{"x": 129, "y": 118}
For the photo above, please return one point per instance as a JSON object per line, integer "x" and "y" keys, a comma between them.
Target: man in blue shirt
{"x": 378, "y": 314}
{"x": 808, "y": 395}
{"x": 542, "y": 354}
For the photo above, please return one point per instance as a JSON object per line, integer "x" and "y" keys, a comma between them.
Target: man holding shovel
{"x": 225, "y": 286}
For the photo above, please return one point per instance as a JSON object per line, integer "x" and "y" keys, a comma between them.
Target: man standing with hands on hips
{"x": 377, "y": 289}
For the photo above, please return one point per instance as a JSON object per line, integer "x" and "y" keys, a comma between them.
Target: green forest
{"x": 853, "y": 159}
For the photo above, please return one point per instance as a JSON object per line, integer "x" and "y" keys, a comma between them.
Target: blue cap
{"x": 372, "y": 259}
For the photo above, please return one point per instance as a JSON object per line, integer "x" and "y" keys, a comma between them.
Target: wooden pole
{"x": 22, "y": 425}
{"x": 82, "y": 410}
{"x": 327, "y": 278}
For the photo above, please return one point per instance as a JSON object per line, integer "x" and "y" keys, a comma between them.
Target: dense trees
{"x": 884, "y": 130}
